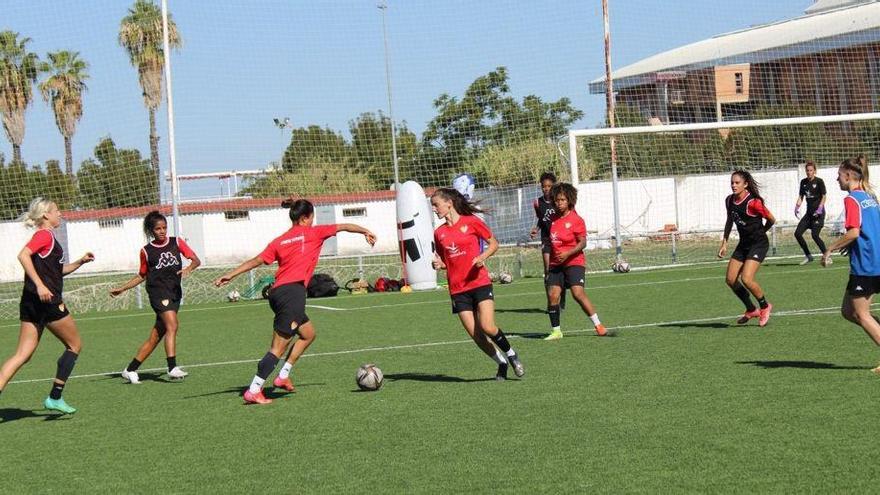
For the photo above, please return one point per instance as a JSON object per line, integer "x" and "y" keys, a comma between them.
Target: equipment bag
{"x": 322, "y": 285}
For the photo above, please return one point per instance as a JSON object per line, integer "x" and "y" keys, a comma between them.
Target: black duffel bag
{"x": 322, "y": 285}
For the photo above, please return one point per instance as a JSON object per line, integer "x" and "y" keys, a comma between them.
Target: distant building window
{"x": 236, "y": 214}
{"x": 110, "y": 223}
{"x": 354, "y": 212}
{"x": 738, "y": 81}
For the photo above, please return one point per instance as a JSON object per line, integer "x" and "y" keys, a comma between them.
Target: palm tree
{"x": 140, "y": 33}
{"x": 63, "y": 89}
{"x": 18, "y": 72}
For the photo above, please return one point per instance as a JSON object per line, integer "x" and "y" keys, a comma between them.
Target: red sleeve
{"x": 41, "y": 243}
{"x": 756, "y": 208}
{"x": 853, "y": 213}
{"x": 185, "y": 250}
{"x": 142, "y": 271}
{"x": 270, "y": 254}
{"x": 325, "y": 231}
{"x": 481, "y": 228}
{"x": 580, "y": 229}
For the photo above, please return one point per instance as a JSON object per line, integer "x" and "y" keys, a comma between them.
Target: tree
{"x": 18, "y": 72}
{"x": 372, "y": 149}
{"x": 116, "y": 177}
{"x": 63, "y": 89}
{"x": 140, "y": 33}
{"x": 60, "y": 187}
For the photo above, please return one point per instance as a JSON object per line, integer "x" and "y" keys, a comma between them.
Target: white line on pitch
{"x": 798, "y": 312}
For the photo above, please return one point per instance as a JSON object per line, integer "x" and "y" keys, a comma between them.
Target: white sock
{"x": 285, "y": 370}
{"x": 556, "y": 329}
{"x": 256, "y": 385}
{"x": 511, "y": 352}
{"x": 499, "y": 358}
{"x": 595, "y": 318}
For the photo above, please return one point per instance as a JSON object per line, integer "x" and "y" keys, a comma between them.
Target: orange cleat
{"x": 257, "y": 398}
{"x": 284, "y": 383}
{"x": 748, "y": 315}
{"x": 600, "y": 330}
{"x": 765, "y": 315}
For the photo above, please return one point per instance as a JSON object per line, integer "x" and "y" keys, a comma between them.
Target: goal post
{"x": 665, "y": 206}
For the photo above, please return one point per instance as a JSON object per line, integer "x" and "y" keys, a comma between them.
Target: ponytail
{"x": 459, "y": 202}
{"x": 858, "y": 166}
{"x": 37, "y": 209}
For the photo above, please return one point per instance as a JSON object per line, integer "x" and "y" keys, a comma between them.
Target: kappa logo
{"x": 490, "y": 294}
{"x": 859, "y": 287}
{"x": 755, "y": 256}
{"x": 167, "y": 259}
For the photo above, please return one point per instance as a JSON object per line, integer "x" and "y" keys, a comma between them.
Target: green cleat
{"x": 554, "y": 335}
{"x": 58, "y": 405}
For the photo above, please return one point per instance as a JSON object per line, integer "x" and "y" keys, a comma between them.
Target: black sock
{"x": 762, "y": 302}
{"x": 55, "y": 393}
{"x": 266, "y": 365}
{"x": 172, "y": 362}
{"x": 501, "y": 341}
{"x": 133, "y": 365}
{"x": 65, "y": 365}
{"x": 553, "y": 312}
{"x": 743, "y": 294}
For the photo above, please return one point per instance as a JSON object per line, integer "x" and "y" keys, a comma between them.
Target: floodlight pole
{"x": 175, "y": 186}
{"x": 384, "y": 7}
{"x": 609, "y": 102}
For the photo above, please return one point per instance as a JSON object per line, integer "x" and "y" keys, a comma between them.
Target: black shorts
{"x": 288, "y": 302}
{"x": 747, "y": 250}
{"x": 863, "y": 285}
{"x": 546, "y": 246}
{"x": 32, "y": 310}
{"x": 566, "y": 276}
{"x": 468, "y": 301}
{"x": 164, "y": 302}
{"x": 811, "y": 222}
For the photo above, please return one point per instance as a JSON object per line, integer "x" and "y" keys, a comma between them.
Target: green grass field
{"x": 680, "y": 401}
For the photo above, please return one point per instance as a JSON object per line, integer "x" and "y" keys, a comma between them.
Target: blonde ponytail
{"x": 38, "y": 208}
{"x": 865, "y": 181}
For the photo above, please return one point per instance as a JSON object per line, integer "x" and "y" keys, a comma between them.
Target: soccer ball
{"x": 620, "y": 266}
{"x": 233, "y": 296}
{"x": 369, "y": 377}
{"x": 505, "y": 278}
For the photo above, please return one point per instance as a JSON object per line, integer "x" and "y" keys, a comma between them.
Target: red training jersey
{"x": 296, "y": 252}
{"x": 565, "y": 233}
{"x": 458, "y": 245}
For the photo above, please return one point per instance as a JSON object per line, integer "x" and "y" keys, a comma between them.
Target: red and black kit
{"x": 748, "y": 215}
{"x": 48, "y": 259}
{"x": 545, "y": 210}
{"x": 160, "y": 266}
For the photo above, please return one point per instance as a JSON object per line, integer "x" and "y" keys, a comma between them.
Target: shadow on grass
{"x": 430, "y": 377}
{"x": 269, "y": 391}
{"x": 716, "y": 324}
{"x": 807, "y": 365}
{"x": 521, "y": 310}
{"x": 527, "y": 335}
{"x": 14, "y": 414}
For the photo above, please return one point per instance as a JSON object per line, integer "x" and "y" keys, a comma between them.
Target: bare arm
{"x": 132, "y": 282}
{"x": 195, "y": 262}
{"x": 242, "y": 268}
{"x": 845, "y": 240}
{"x": 72, "y": 267}
{"x": 357, "y": 229}
{"x": 770, "y": 220}
{"x": 728, "y": 226}
{"x": 24, "y": 257}
{"x": 490, "y": 250}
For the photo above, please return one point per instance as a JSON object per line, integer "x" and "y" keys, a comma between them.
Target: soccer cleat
{"x": 284, "y": 383}
{"x": 601, "y": 331}
{"x": 748, "y": 315}
{"x": 177, "y": 374}
{"x": 502, "y": 372}
{"x": 876, "y": 370}
{"x": 808, "y": 259}
{"x": 131, "y": 376}
{"x": 257, "y": 398}
{"x": 765, "y": 315}
{"x": 58, "y": 405}
{"x": 554, "y": 335}
{"x": 518, "y": 368}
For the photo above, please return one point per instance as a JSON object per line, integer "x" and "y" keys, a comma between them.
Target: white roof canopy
{"x": 812, "y": 33}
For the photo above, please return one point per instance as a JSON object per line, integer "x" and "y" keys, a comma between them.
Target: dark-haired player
{"x": 296, "y": 252}
{"x": 746, "y": 209}
{"x": 545, "y": 211}
{"x": 813, "y": 189}
{"x": 162, "y": 267}
{"x": 457, "y": 243}
{"x": 42, "y": 305}
{"x": 568, "y": 238}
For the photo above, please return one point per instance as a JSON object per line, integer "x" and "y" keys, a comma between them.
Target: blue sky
{"x": 244, "y": 63}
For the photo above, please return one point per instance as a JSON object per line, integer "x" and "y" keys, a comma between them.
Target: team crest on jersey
{"x": 165, "y": 302}
{"x": 167, "y": 259}
{"x": 61, "y": 307}
{"x": 464, "y": 229}
{"x": 568, "y": 225}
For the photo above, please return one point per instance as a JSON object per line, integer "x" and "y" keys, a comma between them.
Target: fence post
{"x": 674, "y": 253}
{"x": 139, "y": 296}
{"x": 773, "y": 239}
{"x": 361, "y": 267}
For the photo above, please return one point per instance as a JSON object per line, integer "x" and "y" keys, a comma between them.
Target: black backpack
{"x": 322, "y": 285}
